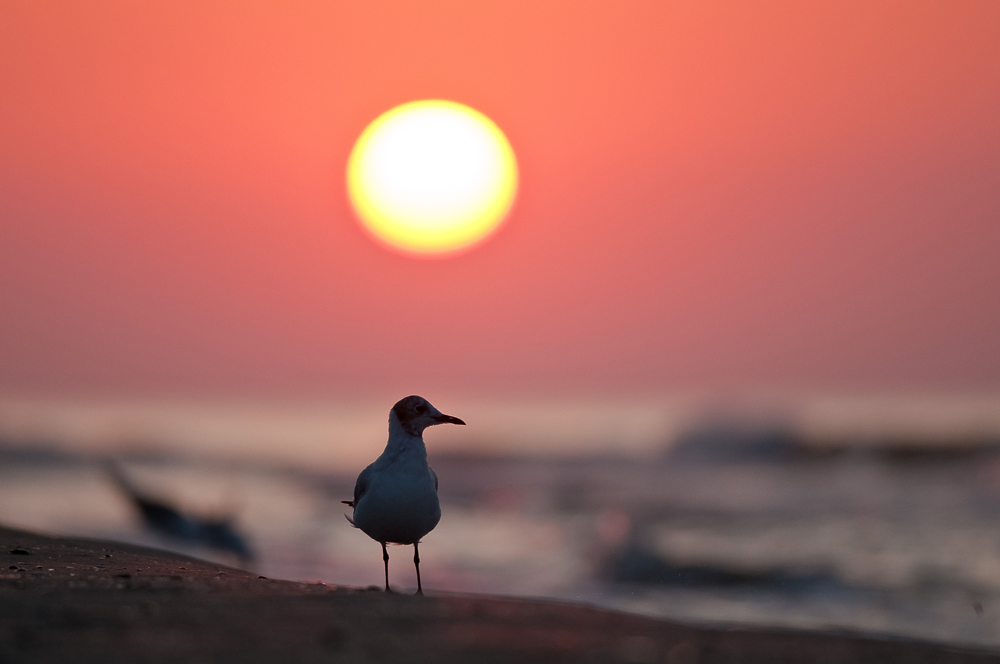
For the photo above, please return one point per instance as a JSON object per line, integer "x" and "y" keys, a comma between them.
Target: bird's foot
{"x": 419, "y": 592}
{"x": 390, "y": 590}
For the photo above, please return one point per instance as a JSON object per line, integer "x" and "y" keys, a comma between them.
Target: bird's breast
{"x": 398, "y": 506}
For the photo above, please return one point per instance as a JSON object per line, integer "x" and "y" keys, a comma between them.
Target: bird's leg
{"x": 416, "y": 563}
{"x": 385, "y": 557}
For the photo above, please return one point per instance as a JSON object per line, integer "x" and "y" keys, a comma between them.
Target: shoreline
{"x": 68, "y": 599}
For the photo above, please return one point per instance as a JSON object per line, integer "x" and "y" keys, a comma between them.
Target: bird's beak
{"x": 448, "y": 419}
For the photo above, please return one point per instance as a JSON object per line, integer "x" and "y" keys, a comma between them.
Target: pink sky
{"x": 768, "y": 194}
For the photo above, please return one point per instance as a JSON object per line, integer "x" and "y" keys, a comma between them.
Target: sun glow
{"x": 432, "y": 178}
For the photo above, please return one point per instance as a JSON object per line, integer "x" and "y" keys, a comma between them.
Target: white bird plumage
{"x": 395, "y": 498}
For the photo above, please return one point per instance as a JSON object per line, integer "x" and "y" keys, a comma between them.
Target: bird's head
{"x": 416, "y": 414}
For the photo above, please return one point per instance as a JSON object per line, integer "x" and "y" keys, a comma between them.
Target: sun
{"x": 432, "y": 178}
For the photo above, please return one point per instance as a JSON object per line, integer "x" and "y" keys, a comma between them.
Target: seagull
{"x": 395, "y": 498}
{"x": 163, "y": 518}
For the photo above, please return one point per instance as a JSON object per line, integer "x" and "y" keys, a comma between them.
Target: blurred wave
{"x": 716, "y": 517}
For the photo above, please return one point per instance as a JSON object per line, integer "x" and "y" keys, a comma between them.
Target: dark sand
{"x": 72, "y": 600}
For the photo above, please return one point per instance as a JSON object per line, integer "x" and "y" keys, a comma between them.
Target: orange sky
{"x": 754, "y": 194}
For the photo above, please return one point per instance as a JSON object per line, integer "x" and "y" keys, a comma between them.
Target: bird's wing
{"x": 361, "y": 486}
{"x": 434, "y": 475}
{"x": 359, "y": 490}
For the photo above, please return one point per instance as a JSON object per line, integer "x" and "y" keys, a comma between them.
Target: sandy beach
{"x": 76, "y": 600}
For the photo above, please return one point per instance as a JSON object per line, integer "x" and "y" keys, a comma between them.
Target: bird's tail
{"x": 349, "y": 503}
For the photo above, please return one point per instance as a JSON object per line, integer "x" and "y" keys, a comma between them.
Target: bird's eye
{"x": 420, "y": 409}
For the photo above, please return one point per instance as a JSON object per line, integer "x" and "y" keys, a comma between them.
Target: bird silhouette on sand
{"x": 395, "y": 498}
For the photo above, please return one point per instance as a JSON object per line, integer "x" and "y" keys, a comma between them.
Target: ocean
{"x": 702, "y": 519}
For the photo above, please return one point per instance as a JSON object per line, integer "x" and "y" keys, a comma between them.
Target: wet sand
{"x": 74, "y": 600}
